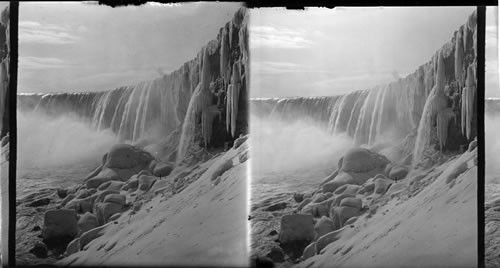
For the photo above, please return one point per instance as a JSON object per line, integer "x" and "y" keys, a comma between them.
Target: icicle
{"x": 229, "y": 105}
{"x": 443, "y": 119}
{"x": 459, "y": 58}
{"x": 224, "y": 54}
{"x": 235, "y": 94}
{"x": 205, "y": 71}
{"x": 207, "y": 117}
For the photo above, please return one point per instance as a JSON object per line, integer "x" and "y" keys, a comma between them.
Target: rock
{"x": 145, "y": 182}
{"x": 309, "y": 251}
{"x": 163, "y": 169}
{"x": 59, "y": 224}
{"x": 73, "y": 247}
{"x": 398, "y": 173}
{"x": 97, "y": 181}
{"x": 102, "y": 195}
{"x": 317, "y": 209}
{"x": 318, "y": 198}
{"x": 296, "y": 227}
{"x": 275, "y": 207}
{"x": 162, "y": 185}
{"x": 381, "y": 185}
{"x": 388, "y": 168}
{"x": 298, "y": 197}
{"x": 347, "y": 189}
{"x": 36, "y": 228}
{"x": 67, "y": 199}
{"x": 276, "y": 254}
{"x": 341, "y": 214}
{"x": 327, "y": 239}
{"x": 351, "y": 202}
{"x": 262, "y": 262}
{"x": 239, "y": 141}
{"x": 144, "y": 172}
{"x": 361, "y": 160}
{"x": 367, "y": 188}
{"x": 304, "y": 203}
{"x": 330, "y": 177}
{"x": 39, "y": 250}
{"x": 111, "y": 185}
{"x": 350, "y": 220}
{"x": 86, "y": 222}
{"x": 126, "y": 156}
{"x": 62, "y": 193}
{"x": 472, "y": 145}
{"x": 341, "y": 179}
{"x": 272, "y": 233}
{"x": 133, "y": 184}
{"x": 222, "y": 168}
{"x": 324, "y": 226}
{"x": 90, "y": 235}
{"x": 115, "y": 198}
{"x": 338, "y": 199}
{"x": 39, "y": 202}
{"x": 105, "y": 210}
{"x": 115, "y": 216}
{"x": 83, "y": 193}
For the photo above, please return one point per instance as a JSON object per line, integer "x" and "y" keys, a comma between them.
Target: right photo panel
{"x": 363, "y": 127}
{"x": 492, "y": 140}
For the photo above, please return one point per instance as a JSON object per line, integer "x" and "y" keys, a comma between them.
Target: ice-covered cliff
{"x": 433, "y": 108}
{"x": 203, "y": 102}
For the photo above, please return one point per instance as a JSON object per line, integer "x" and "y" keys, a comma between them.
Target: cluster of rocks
{"x": 362, "y": 177}
{"x": 126, "y": 178}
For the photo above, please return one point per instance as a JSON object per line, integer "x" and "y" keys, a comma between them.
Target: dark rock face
{"x": 276, "y": 254}
{"x": 40, "y": 250}
{"x": 39, "y": 202}
{"x": 297, "y": 231}
{"x": 60, "y": 227}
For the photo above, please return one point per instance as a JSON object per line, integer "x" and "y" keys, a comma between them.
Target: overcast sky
{"x": 85, "y": 47}
{"x": 491, "y": 53}
{"x": 330, "y": 52}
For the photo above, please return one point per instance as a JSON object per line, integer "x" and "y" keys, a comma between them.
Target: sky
{"x": 321, "y": 52}
{"x": 80, "y": 46}
{"x": 492, "y": 84}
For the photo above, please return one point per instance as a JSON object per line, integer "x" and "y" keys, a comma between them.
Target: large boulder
{"x": 39, "y": 250}
{"x": 309, "y": 251}
{"x": 338, "y": 199}
{"x": 59, "y": 225}
{"x": 341, "y": 214}
{"x": 362, "y": 160}
{"x": 351, "y": 202}
{"x": 324, "y": 226}
{"x": 90, "y": 235}
{"x": 381, "y": 185}
{"x": 327, "y": 239}
{"x": 111, "y": 185}
{"x": 73, "y": 247}
{"x": 126, "y": 156}
{"x": 132, "y": 184}
{"x": 106, "y": 210}
{"x": 163, "y": 169}
{"x": 398, "y": 173}
{"x": 86, "y": 222}
{"x": 296, "y": 227}
{"x": 347, "y": 189}
{"x": 297, "y": 231}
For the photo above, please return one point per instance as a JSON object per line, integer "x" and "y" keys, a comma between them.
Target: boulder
{"x": 40, "y": 202}
{"x": 276, "y": 207}
{"x": 59, "y": 224}
{"x": 341, "y": 214}
{"x": 163, "y": 169}
{"x": 330, "y": 177}
{"x": 115, "y": 198}
{"x": 317, "y": 209}
{"x": 40, "y": 250}
{"x": 351, "y": 202}
{"x": 90, "y": 235}
{"x": 126, "y": 156}
{"x": 103, "y": 194}
{"x": 381, "y": 185}
{"x": 327, "y": 239}
{"x": 161, "y": 185}
{"x": 276, "y": 254}
{"x": 367, "y": 188}
{"x": 152, "y": 165}
{"x": 239, "y": 141}
{"x": 83, "y": 193}
{"x": 472, "y": 145}
{"x": 111, "y": 185}
{"x": 323, "y": 226}
{"x": 67, "y": 199}
{"x": 304, "y": 203}
{"x": 338, "y": 199}
{"x": 145, "y": 182}
{"x": 318, "y": 198}
{"x": 62, "y": 193}
{"x": 296, "y": 227}
{"x": 347, "y": 189}
{"x": 398, "y": 173}
{"x": 362, "y": 160}
{"x": 86, "y": 222}
{"x": 309, "y": 251}
{"x": 106, "y": 210}
{"x": 73, "y": 247}
{"x": 298, "y": 197}
{"x": 132, "y": 183}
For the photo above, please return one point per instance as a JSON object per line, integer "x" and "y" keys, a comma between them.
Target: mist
{"x": 492, "y": 147}
{"x": 45, "y": 141}
{"x": 284, "y": 147}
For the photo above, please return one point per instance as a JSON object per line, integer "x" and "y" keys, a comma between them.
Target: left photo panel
{"x": 5, "y": 95}
{"x": 131, "y": 134}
